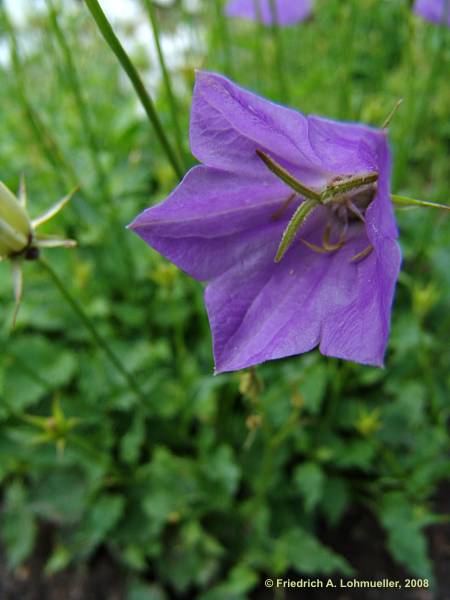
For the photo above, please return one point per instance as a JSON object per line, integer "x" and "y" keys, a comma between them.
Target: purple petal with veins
{"x": 335, "y": 284}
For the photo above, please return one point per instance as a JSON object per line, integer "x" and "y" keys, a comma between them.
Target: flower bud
{"x": 15, "y": 227}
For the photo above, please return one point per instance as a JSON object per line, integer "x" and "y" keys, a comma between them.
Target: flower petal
{"x": 259, "y": 311}
{"x": 380, "y": 217}
{"x": 288, "y": 11}
{"x": 345, "y": 148}
{"x": 228, "y": 125}
{"x": 359, "y": 330}
{"x": 433, "y": 10}
{"x": 213, "y": 219}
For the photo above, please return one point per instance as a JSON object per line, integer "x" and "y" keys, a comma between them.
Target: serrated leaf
{"x": 18, "y": 527}
{"x": 309, "y": 480}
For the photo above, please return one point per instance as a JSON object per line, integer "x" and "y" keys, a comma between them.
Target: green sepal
{"x": 411, "y": 203}
{"x": 287, "y": 178}
{"x": 299, "y": 217}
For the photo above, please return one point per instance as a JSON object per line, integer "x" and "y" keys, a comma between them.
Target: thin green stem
{"x": 279, "y": 53}
{"x": 91, "y": 138}
{"x": 76, "y": 88}
{"x": 98, "y": 339}
{"x": 43, "y": 136}
{"x": 420, "y": 99}
{"x": 224, "y": 35}
{"x": 347, "y": 44}
{"x": 166, "y": 77}
{"x": 258, "y": 45}
{"x": 113, "y": 42}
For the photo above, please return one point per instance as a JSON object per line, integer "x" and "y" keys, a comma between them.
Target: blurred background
{"x": 204, "y": 486}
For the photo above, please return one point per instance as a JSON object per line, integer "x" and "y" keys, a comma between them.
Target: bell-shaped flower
{"x": 286, "y": 12}
{"x": 436, "y": 11}
{"x": 289, "y": 219}
{"x": 19, "y": 239}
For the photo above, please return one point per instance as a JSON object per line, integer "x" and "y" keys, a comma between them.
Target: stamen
{"x": 362, "y": 255}
{"x": 300, "y": 216}
{"x": 283, "y": 208}
{"x": 315, "y": 247}
{"x": 355, "y": 210}
{"x": 326, "y": 239}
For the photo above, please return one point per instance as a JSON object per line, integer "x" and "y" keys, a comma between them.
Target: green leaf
{"x": 36, "y": 366}
{"x": 101, "y": 517}
{"x": 60, "y": 496}
{"x": 406, "y": 539}
{"x": 59, "y": 560}
{"x": 303, "y": 552}
{"x": 309, "y": 479}
{"x": 17, "y": 525}
{"x": 143, "y": 591}
{"x": 132, "y": 441}
{"x": 313, "y": 387}
{"x": 192, "y": 559}
{"x": 241, "y": 580}
{"x": 335, "y": 499}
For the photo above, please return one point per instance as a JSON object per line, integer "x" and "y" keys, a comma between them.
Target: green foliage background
{"x": 212, "y": 483}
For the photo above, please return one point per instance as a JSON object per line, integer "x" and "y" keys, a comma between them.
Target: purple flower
{"x": 436, "y": 11}
{"x": 288, "y": 12}
{"x": 280, "y": 284}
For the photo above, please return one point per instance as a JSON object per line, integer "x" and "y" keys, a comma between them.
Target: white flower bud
{"x": 15, "y": 226}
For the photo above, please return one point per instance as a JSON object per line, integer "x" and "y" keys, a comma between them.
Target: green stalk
{"x": 224, "y": 34}
{"x": 91, "y": 139}
{"x": 258, "y": 45}
{"x": 279, "y": 53}
{"x": 419, "y": 110}
{"x": 166, "y": 77}
{"x": 76, "y": 88}
{"x": 113, "y": 42}
{"x": 43, "y": 136}
{"x": 98, "y": 339}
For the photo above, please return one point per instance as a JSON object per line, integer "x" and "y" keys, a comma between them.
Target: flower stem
{"x": 91, "y": 138}
{"x": 279, "y": 53}
{"x": 75, "y": 85}
{"x": 63, "y": 170}
{"x": 258, "y": 46}
{"x": 166, "y": 77}
{"x": 420, "y": 98}
{"x": 98, "y": 339}
{"x": 224, "y": 35}
{"x": 113, "y": 42}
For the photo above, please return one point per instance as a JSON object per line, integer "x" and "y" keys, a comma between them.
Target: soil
{"x": 359, "y": 539}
